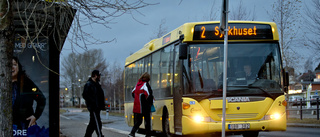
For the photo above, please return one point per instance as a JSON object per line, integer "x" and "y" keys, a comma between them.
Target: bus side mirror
{"x": 286, "y": 81}
{"x": 183, "y": 51}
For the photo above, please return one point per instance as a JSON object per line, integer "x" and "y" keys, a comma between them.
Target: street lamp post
{"x": 80, "y": 92}
{"x": 73, "y": 94}
{"x": 64, "y": 95}
{"x": 114, "y": 99}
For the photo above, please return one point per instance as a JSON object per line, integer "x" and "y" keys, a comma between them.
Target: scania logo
{"x": 238, "y": 99}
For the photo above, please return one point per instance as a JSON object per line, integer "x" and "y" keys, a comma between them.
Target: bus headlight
{"x": 275, "y": 116}
{"x": 199, "y": 118}
{"x": 272, "y": 117}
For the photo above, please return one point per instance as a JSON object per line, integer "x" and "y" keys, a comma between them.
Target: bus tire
{"x": 165, "y": 124}
{"x": 251, "y": 134}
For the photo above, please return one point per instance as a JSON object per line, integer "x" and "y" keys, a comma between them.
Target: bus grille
{"x": 239, "y": 116}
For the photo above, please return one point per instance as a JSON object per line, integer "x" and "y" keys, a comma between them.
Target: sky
{"x": 131, "y": 35}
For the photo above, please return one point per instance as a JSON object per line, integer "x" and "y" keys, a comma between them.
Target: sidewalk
{"x": 71, "y": 128}
{"x": 77, "y": 128}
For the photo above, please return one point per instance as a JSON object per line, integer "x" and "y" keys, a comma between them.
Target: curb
{"x": 303, "y": 125}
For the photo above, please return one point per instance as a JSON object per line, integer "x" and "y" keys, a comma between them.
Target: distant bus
{"x": 186, "y": 67}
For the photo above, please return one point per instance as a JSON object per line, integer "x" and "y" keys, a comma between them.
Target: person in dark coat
{"x": 249, "y": 74}
{"x": 143, "y": 100}
{"x": 24, "y": 93}
{"x": 94, "y": 97}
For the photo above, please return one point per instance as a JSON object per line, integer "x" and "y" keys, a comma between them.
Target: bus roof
{"x": 187, "y": 30}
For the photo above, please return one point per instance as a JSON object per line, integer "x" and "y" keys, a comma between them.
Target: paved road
{"x": 73, "y": 124}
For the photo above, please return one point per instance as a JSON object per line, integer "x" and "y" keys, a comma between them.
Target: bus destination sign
{"x": 236, "y": 31}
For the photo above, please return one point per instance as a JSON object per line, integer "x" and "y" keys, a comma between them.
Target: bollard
{"x": 300, "y": 109}
{"x": 107, "y": 113}
{"x": 313, "y": 112}
{"x": 317, "y": 108}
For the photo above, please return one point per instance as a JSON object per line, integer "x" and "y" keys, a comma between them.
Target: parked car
{"x": 313, "y": 99}
{"x": 295, "y": 100}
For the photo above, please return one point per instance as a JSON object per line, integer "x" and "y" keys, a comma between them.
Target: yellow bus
{"x": 186, "y": 67}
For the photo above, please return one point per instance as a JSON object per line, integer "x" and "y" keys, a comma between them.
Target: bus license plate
{"x": 238, "y": 126}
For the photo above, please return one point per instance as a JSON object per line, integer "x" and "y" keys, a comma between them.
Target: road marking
{"x": 65, "y": 117}
{"x": 119, "y": 131}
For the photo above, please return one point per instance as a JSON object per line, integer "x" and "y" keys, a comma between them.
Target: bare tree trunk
{"x": 286, "y": 14}
{"x": 6, "y": 49}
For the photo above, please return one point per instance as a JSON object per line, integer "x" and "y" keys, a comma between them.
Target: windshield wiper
{"x": 212, "y": 94}
{"x": 200, "y": 78}
{"x": 250, "y": 86}
{"x": 186, "y": 74}
{"x": 270, "y": 95}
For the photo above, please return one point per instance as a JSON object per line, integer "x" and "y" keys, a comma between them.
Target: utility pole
{"x": 224, "y": 28}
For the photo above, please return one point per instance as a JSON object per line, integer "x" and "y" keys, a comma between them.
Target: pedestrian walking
{"x": 94, "y": 97}
{"x": 143, "y": 100}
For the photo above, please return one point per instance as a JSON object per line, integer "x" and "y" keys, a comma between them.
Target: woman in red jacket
{"x": 143, "y": 100}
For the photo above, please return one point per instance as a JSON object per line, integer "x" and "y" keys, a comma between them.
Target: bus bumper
{"x": 192, "y": 127}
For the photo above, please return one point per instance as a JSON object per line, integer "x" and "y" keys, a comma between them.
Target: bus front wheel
{"x": 251, "y": 134}
{"x": 165, "y": 124}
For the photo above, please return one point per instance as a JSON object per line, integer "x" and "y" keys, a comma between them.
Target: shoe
{"x": 131, "y": 135}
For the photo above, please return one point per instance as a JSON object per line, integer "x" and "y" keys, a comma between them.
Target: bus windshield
{"x": 253, "y": 68}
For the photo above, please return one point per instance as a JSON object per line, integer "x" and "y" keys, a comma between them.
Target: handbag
{"x": 153, "y": 109}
